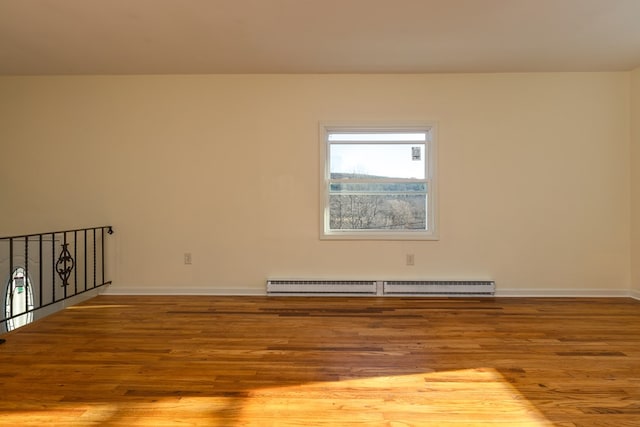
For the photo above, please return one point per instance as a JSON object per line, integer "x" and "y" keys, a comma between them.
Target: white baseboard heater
{"x": 439, "y": 287}
{"x": 322, "y": 287}
{"x": 378, "y": 287}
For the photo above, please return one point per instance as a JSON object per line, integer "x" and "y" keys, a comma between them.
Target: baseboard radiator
{"x": 377, "y": 287}
{"x": 322, "y": 287}
{"x": 439, "y": 287}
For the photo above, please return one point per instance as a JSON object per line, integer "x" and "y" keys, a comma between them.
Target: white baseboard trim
{"x": 563, "y": 293}
{"x": 500, "y": 293}
{"x": 116, "y": 290}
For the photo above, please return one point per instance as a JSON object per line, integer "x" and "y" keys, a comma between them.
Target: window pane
{"x": 377, "y": 161}
{"x": 375, "y": 188}
{"x": 377, "y": 212}
{"x": 380, "y": 136}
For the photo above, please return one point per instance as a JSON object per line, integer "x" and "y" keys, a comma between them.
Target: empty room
{"x": 331, "y": 213}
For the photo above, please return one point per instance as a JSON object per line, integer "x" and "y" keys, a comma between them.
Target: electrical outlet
{"x": 187, "y": 257}
{"x": 410, "y": 259}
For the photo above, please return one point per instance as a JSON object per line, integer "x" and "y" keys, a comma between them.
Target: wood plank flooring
{"x": 258, "y": 361}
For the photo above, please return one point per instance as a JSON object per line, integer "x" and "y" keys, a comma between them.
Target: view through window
{"x": 378, "y": 182}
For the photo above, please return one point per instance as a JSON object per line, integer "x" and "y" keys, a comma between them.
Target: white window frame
{"x": 431, "y": 232}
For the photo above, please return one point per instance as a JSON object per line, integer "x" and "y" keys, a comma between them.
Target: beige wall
{"x": 534, "y": 175}
{"x": 635, "y": 181}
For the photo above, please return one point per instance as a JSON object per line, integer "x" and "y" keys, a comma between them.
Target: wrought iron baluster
{"x": 26, "y": 274}
{"x": 102, "y": 253}
{"x": 53, "y": 266}
{"x": 75, "y": 257}
{"x": 94, "y": 257}
{"x": 65, "y": 264}
{"x": 40, "y": 267}
{"x": 9, "y": 312}
{"x": 85, "y": 260}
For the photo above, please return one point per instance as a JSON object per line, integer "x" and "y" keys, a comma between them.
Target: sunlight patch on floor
{"x": 470, "y": 397}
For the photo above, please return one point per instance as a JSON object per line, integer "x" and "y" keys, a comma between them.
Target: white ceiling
{"x": 316, "y": 36}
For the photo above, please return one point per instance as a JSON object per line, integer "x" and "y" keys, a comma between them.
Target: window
{"x": 378, "y": 182}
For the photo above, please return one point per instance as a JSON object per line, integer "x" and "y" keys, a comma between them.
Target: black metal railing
{"x": 43, "y": 269}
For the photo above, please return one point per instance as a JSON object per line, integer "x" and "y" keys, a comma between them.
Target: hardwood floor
{"x": 258, "y": 361}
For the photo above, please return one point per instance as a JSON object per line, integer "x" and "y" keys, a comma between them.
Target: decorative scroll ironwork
{"x": 65, "y": 264}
